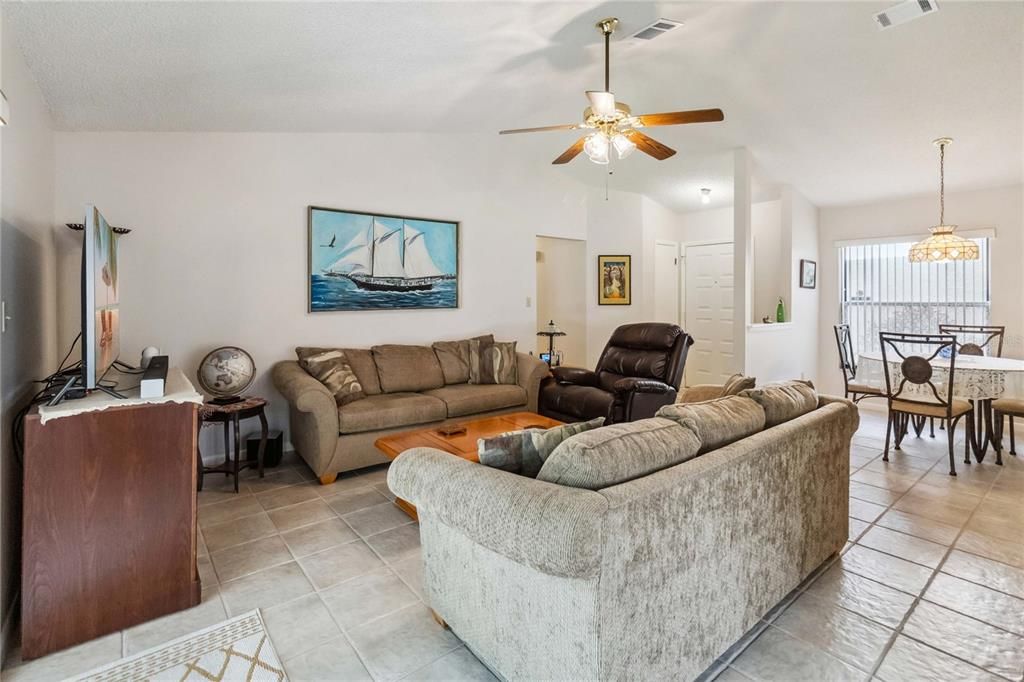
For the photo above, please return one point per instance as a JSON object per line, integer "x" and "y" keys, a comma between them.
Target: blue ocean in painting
{"x": 338, "y": 293}
{"x": 368, "y": 262}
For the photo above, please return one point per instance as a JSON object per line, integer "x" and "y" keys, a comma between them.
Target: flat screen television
{"x": 100, "y": 299}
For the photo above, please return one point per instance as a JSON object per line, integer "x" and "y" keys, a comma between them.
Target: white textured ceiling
{"x": 823, "y": 99}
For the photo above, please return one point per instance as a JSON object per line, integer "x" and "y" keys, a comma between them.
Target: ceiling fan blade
{"x": 573, "y": 126}
{"x": 673, "y": 118}
{"x": 601, "y": 103}
{"x": 649, "y": 145}
{"x": 570, "y": 153}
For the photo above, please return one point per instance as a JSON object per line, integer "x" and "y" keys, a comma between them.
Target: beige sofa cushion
{"x": 720, "y": 421}
{"x": 361, "y": 360}
{"x": 619, "y": 453}
{"x": 389, "y": 410}
{"x": 783, "y": 401}
{"x": 466, "y": 399}
{"x": 454, "y": 358}
{"x": 407, "y": 368}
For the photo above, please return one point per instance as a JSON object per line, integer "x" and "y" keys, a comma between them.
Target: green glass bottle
{"x": 780, "y": 311}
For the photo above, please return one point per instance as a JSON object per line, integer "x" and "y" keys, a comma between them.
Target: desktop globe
{"x": 225, "y": 372}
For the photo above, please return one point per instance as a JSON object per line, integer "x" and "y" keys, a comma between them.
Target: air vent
{"x": 904, "y": 12}
{"x": 658, "y": 28}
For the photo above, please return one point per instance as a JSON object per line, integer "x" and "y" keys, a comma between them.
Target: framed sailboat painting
{"x": 371, "y": 261}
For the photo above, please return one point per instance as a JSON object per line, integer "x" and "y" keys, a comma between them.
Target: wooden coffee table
{"x": 461, "y": 445}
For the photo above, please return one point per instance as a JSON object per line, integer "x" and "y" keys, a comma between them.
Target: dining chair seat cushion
{"x": 1012, "y": 406}
{"x": 856, "y": 387}
{"x": 932, "y": 409}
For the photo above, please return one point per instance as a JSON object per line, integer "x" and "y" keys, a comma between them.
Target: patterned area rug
{"x": 237, "y": 649}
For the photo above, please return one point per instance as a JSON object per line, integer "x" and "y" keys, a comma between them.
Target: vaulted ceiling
{"x": 823, "y": 98}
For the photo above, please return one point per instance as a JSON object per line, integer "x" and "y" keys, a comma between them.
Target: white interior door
{"x": 666, "y": 282}
{"x": 709, "y": 313}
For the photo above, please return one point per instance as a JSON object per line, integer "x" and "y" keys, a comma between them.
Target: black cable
{"x": 52, "y": 385}
{"x": 73, "y": 343}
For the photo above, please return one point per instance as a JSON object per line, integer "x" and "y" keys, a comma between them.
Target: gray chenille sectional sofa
{"x": 407, "y": 387}
{"x": 642, "y": 550}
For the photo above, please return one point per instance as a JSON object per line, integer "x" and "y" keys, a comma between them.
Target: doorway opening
{"x": 561, "y": 296}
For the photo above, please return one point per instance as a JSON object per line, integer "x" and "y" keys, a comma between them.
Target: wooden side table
{"x": 231, "y": 415}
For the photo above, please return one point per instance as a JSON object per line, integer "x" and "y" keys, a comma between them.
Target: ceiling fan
{"x": 613, "y": 124}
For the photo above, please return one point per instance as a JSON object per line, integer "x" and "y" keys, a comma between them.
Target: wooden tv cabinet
{"x": 108, "y": 524}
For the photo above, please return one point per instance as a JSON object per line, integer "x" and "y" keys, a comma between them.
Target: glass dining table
{"x": 980, "y": 379}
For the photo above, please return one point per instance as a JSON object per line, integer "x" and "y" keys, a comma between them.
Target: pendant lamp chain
{"x": 942, "y": 183}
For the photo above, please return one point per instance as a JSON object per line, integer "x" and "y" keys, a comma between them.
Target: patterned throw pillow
{"x": 493, "y": 362}
{"x": 330, "y": 367}
{"x": 524, "y": 452}
{"x": 736, "y": 383}
{"x": 454, "y": 357}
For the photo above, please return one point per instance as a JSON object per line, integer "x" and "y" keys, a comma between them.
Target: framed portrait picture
{"x": 372, "y": 261}
{"x": 808, "y": 274}
{"x": 613, "y": 280}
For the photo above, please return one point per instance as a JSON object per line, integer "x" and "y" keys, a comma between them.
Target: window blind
{"x": 881, "y": 290}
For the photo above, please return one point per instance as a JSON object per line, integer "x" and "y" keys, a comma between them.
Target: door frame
{"x": 679, "y": 278}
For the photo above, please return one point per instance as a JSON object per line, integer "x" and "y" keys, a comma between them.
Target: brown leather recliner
{"x": 638, "y": 372}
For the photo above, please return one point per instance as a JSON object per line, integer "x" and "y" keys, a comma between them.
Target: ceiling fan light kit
{"x": 941, "y": 245}
{"x": 613, "y": 125}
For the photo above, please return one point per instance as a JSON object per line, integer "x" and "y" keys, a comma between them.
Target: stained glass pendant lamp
{"x": 942, "y": 245}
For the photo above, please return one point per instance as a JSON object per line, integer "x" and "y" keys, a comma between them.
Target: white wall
{"x": 770, "y": 260}
{"x": 28, "y": 348}
{"x": 784, "y": 231}
{"x": 562, "y": 295}
{"x": 628, "y": 224}
{"x": 777, "y": 352}
{"x": 614, "y": 227}
{"x": 999, "y": 208}
{"x": 218, "y": 249}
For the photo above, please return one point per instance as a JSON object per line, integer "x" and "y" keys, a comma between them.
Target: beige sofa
{"x": 405, "y": 389}
{"x": 653, "y": 577}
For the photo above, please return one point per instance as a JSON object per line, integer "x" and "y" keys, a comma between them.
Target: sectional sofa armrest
{"x": 575, "y": 375}
{"x": 532, "y": 371}
{"x": 315, "y": 432}
{"x": 554, "y": 529}
{"x": 700, "y": 393}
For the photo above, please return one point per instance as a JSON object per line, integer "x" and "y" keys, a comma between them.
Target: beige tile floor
{"x": 931, "y": 585}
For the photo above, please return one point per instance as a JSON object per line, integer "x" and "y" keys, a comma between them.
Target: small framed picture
{"x": 808, "y": 274}
{"x": 613, "y": 280}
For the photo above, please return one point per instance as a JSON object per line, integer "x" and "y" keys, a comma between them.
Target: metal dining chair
{"x": 988, "y": 341}
{"x": 852, "y": 389}
{"x": 990, "y": 337}
{"x": 923, "y": 397}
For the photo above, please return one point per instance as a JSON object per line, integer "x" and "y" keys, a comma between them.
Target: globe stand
{"x": 227, "y": 400}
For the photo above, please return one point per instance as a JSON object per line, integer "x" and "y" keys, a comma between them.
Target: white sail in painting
{"x": 355, "y": 257}
{"x": 418, "y": 262}
{"x": 387, "y": 251}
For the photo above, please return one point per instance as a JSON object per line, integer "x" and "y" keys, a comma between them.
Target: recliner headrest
{"x": 646, "y": 336}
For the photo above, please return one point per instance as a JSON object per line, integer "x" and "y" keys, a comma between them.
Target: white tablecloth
{"x": 975, "y": 377}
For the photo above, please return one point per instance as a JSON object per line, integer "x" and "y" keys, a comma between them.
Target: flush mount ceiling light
{"x": 942, "y": 245}
{"x": 612, "y": 124}
{"x": 705, "y": 195}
